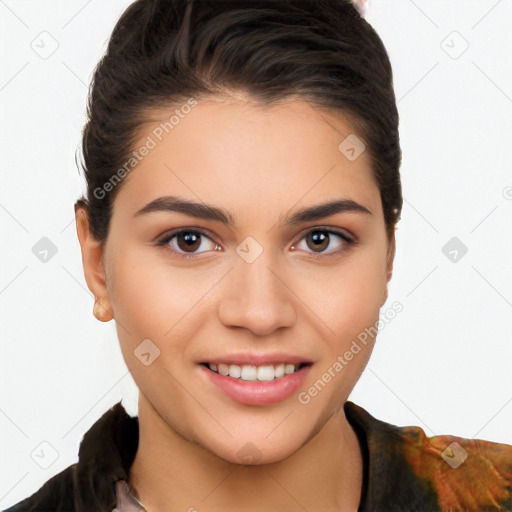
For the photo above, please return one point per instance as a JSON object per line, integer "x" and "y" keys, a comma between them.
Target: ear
{"x": 93, "y": 263}
{"x": 390, "y": 258}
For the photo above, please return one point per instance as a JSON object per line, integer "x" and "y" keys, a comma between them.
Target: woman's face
{"x": 242, "y": 284}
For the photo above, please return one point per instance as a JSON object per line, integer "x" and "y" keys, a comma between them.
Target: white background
{"x": 444, "y": 363}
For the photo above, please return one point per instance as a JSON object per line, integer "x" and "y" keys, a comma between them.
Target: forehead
{"x": 241, "y": 152}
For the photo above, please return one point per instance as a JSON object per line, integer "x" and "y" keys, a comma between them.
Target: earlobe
{"x": 102, "y": 310}
{"x": 94, "y": 269}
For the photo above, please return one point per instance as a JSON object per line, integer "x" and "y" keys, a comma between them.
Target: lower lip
{"x": 257, "y": 392}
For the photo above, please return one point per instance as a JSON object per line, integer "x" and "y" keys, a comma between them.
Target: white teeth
{"x": 249, "y": 372}
{"x": 289, "y": 368}
{"x": 223, "y": 369}
{"x": 279, "y": 371}
{"x": 235, "y": 371}
{"x": 266, "y": 372}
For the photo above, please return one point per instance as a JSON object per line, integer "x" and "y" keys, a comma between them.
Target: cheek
{"x": 152, "y": 300}
{"x": 145, "y": 296}
{"x": 138, "y": 297}
{"x": 349, "y": 306}
{"x": 349, "y": 296}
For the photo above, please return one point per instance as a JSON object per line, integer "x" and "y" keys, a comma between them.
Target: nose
{"x": 256, "y": 297}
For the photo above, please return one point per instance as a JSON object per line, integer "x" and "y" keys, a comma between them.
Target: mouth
{"x": 256, "y": 384}
{"x": 251, "y": 372}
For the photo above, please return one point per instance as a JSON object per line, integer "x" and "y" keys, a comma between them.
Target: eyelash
{"x": 169, "y": 236}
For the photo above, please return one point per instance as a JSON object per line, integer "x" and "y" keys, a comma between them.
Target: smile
{"x": 250, "y": 372}
{"x": 252, "y": 384}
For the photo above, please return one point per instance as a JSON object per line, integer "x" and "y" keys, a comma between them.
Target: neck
{"x": 171, "y": 473}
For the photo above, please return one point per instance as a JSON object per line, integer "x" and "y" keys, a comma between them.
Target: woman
{"x": 242, "y": 161}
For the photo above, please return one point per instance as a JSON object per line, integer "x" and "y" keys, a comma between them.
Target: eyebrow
{"x": 214, "y": 213}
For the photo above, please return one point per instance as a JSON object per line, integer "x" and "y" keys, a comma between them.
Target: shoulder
{"x": 467, "y": 474}
{"x": 442, "y": 472}
{"x": 55, "y": 495}
{"x": 106, "y": 452}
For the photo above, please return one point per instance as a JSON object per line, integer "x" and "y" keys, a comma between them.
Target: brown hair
{"x": 163, "y": 52}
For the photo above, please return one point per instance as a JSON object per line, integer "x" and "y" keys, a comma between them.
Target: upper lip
{"x": 258, "y": 359}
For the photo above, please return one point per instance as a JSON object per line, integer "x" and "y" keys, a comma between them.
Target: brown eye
{"x": 186, "y": 242}
{"x": 318, "y": 241}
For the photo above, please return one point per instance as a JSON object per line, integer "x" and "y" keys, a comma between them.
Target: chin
{"x": 256, "y": 447}
{"x": 252, "y": 454}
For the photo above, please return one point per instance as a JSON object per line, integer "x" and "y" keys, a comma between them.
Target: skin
{"x": 261, "y": 163}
